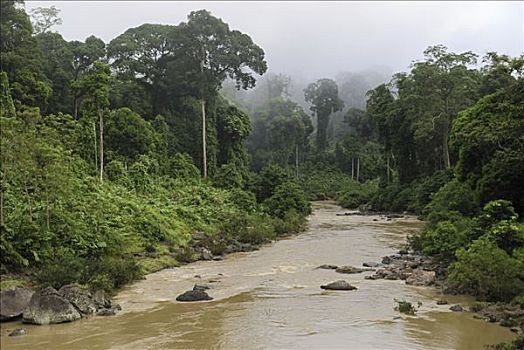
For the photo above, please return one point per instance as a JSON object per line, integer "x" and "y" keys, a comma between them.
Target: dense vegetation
{"x": 103, "y": 173}
{"x": 113, "y": 152}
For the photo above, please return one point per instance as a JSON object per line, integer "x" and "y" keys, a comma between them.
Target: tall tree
{"x": 212, "y": 52}
{"x": 44, "y": 18}
{"x": 96, "y": 84}
{"x": 323, "y": 96}
{"x": 139, "y": 57}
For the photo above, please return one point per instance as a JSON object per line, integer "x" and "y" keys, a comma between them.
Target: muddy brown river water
{"x": 271, "y": 299}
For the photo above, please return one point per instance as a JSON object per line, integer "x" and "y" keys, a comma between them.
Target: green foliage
{"x": 128, "y": 135}
{"x": 453, "y": 197}
{"x": 487, "y": 271}
{"x": 287, "y": 196}
{"x": 445, "y": 238}
{"x": 406, "y": 307}
{"x": 269, "y": 179}
{"x": 358, "y": 195}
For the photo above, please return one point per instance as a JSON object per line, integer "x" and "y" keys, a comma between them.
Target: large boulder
{"x": 80, "y": 298}
{"x": 48, "y": 306}
{"x": 338, "y": 285}
{"x": 194, "y": 295}
{"x": 13, "y": 302}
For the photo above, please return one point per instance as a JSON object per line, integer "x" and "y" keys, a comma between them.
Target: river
{"x": 271, "y": 299}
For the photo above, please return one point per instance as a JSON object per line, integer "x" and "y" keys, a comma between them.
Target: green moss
{"x": 150, "y": 265}
{"x": 12, "y": 282}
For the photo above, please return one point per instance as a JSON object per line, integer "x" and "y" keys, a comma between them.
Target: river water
{"x": 271, "y": 299}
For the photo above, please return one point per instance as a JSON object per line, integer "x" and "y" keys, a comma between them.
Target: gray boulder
{"x": 13, "y": 302}
{"x": 194, "y": 295}
{"x": 101, "y": 300}
{"x": 338, "y": 285}
{"x": 80, "y": 298}
{"x": 47, "y": 306}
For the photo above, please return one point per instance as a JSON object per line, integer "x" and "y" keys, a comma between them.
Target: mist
{"x": 311, "y": 40}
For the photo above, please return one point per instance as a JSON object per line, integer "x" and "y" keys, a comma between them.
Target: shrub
{"x": 269, "y": 179}
{"x": 287, "y": 196}
{"x": 293, "y": 222}
{"x": 455, "y": 196}
{"x": 445, "y": 239}
{"x": 487, "y": 271}
{"x": 244, "y": 200}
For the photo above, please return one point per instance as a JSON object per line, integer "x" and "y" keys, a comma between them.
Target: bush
{"x": 445, "y": 239}
{"x": 244, "y": 200}
{"x": 249, "y": 228}
{"x": 287, "y": 196}
{"x": 358, "y": 195}
{"x": 487, "y": 271}
{"x": 269, "y": 179}
{"x": 456, "y": 197}
{"x": 64, "y": 268}
{"x": 293, "y": 222}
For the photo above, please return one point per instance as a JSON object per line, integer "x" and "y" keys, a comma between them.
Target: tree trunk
{"x": 352, "y": 168}
{"x": 76, "y": 107}
{"x": 387, "y": 167}
{"x": 358, "y": 168}
{"x": 445, "y": 148}
{"x": 204, "y": 147}
{"x": 101, "y": 141}
{"x": 96, "y": 148}
{"x": 1, "y": 206}
{"x": 296, "y": 160}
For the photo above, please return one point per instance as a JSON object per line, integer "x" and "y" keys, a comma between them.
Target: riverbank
{"x": 271, "y": 298}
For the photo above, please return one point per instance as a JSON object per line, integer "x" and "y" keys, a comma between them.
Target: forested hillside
{"x": 114, "y": 155}
{"x": 103, "y": 173}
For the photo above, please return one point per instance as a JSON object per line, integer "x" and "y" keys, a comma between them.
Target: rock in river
{"x": 327, "y": 267}
{"x": 13, "y": 302}
{"x": 194, "y": 295}
{"x": 456, "y": 308}
{"x": 80, "y": 298}
{"x": 47, "y": 306}
{"x": 17, "y": 332}
{"x": 421, "y": 277}
{"x": 349, "y": 269}
{"x": 338, "y": 285}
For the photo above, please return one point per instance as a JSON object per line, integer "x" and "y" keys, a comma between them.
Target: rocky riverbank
{"x": 419, "y": 270}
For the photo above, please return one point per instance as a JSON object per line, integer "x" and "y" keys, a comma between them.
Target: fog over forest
{"x": 312, "y": 40}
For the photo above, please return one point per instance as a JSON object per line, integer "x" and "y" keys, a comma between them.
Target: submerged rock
{"x": 338, "y": 285}
{"x": 194, "y": 295}
{"x": 327, "y": 267}
{"x": 13, "y": 302}
{"x": 349, "y": 269}
{"x": 371, "y": 264}
{"x": 48, "y": 306}
{"x": 17, "y": 332}
{"x": 201, "y": 287}
{"x": 456, "y": 308}
{"x": 442, "y": 302}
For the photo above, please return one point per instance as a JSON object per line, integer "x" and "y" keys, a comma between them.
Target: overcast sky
{"x": 320, "y": 39}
